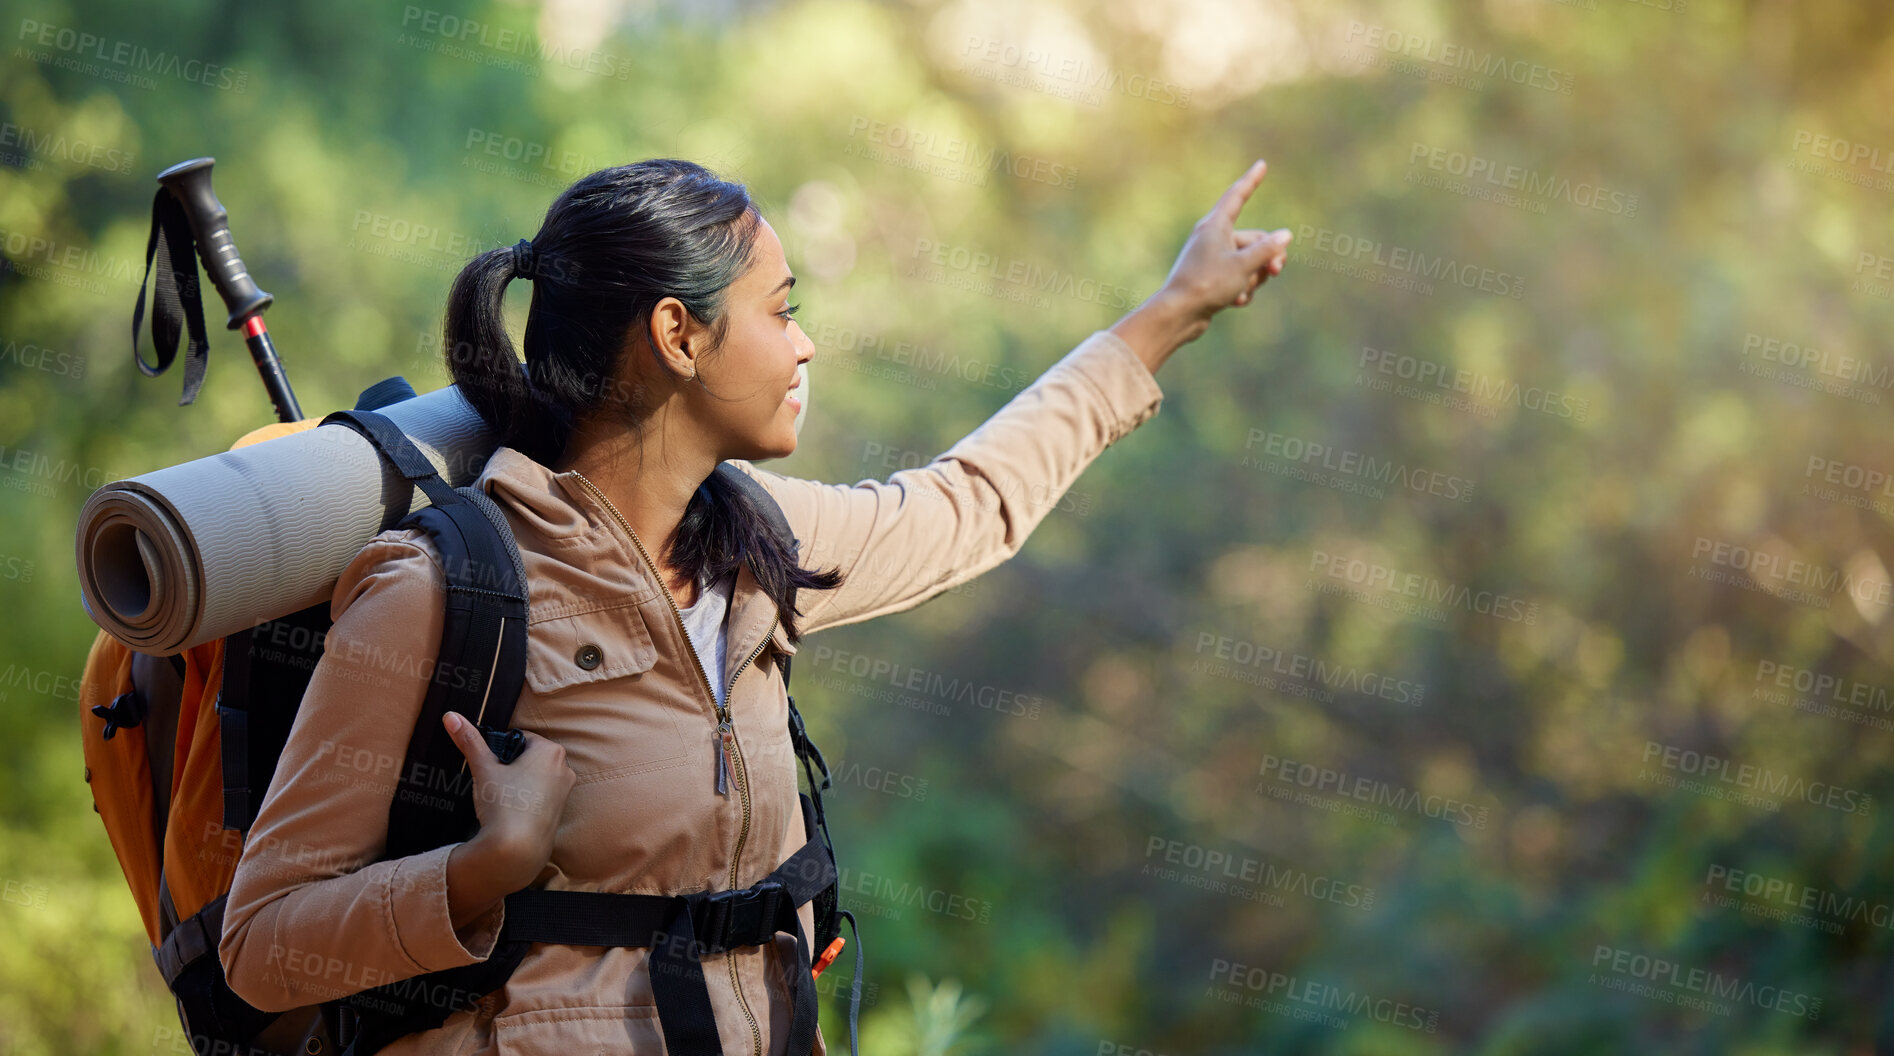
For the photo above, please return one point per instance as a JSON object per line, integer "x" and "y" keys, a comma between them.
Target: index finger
{"x": 1231, "y": 203}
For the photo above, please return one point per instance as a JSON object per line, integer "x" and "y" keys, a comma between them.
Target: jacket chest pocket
{"x": 598, "y": 690}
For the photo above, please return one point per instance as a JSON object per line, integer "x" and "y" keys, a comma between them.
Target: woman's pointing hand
{"x": 1220, "y": 266}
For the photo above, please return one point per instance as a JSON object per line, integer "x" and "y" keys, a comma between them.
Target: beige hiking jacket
{"x": 313, "y": 914}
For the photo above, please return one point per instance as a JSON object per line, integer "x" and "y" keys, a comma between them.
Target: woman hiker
{"x": 660, "y": 343}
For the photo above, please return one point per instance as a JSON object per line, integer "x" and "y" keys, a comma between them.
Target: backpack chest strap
{"x": 681, "y": 930}
{"x": 720, "y": 920}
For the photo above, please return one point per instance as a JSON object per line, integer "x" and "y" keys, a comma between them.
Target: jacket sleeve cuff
{"x": 1115, "y": 372}
{"x": 423, "y": 923}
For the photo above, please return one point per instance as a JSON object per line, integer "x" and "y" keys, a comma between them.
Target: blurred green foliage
{"x": 372, "y": 149}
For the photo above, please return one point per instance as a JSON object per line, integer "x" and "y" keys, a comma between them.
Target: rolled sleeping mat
{"x": 198, "y": 551}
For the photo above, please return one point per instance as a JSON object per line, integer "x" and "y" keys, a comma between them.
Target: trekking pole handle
{"x": 189, "y": 181}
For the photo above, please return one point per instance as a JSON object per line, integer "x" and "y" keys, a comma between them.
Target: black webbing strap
{"x": 855, "y": 984}
{"x": 167, "y": 910}
{"x": 827, "y": 925}
{"x": 829, "y": 913}
{"x": 721, "y": 920}
{"x": 806, "y": 751}
{"x": 212, "y": 1015}
{"x": 479, "y": 670}
{"x": 241, "y": 797}
{"x": 194, "y": 937}
{"x": 481, "y": 663}
{"x": 233, "y": 735}
{"x": 400, "y": 452}
{"x": 681, "y": 929}
{"x": 175, "y": 300}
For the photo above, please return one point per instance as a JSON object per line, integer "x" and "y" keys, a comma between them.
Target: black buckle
{"x": 506, "y": 745}
{"x": 125, "y": 711}
{"x": 724, "y": 920}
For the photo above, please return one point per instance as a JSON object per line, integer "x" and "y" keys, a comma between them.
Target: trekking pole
{"x": 189, "y": 183}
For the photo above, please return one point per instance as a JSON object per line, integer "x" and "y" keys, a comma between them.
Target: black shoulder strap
{"x": 828, "y": 911}
{"x": 772, "y": 511}
{"x": 481, "y": 665}
{"x": 779, "y": 524}
{"x": 398, "y": 451}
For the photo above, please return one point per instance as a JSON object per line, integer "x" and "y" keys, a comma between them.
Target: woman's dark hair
{"x": 612, "y": 246}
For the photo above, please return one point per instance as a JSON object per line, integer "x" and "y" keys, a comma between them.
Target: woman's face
{"x": 755, "y": 379}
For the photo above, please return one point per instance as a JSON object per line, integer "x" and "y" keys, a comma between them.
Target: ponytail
{"x": 481, "y": 361}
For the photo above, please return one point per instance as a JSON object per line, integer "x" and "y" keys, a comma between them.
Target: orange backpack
{"x": 154, "y": 760}
{"x": 179, "y": 751}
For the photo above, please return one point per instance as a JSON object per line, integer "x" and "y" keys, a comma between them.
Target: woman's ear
{"x": 671, "y": 335}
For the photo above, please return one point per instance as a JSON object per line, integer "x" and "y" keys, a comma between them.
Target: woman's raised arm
{"x": 928, "y": 529}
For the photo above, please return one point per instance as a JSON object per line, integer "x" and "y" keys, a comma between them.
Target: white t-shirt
{"x": 708, "y": 623}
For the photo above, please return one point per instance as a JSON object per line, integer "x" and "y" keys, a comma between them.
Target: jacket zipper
{"x": 727, "y": 746}
{"x": 743, "y": 785}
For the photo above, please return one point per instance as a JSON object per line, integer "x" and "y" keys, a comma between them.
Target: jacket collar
{"x": 573, "y": 526}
